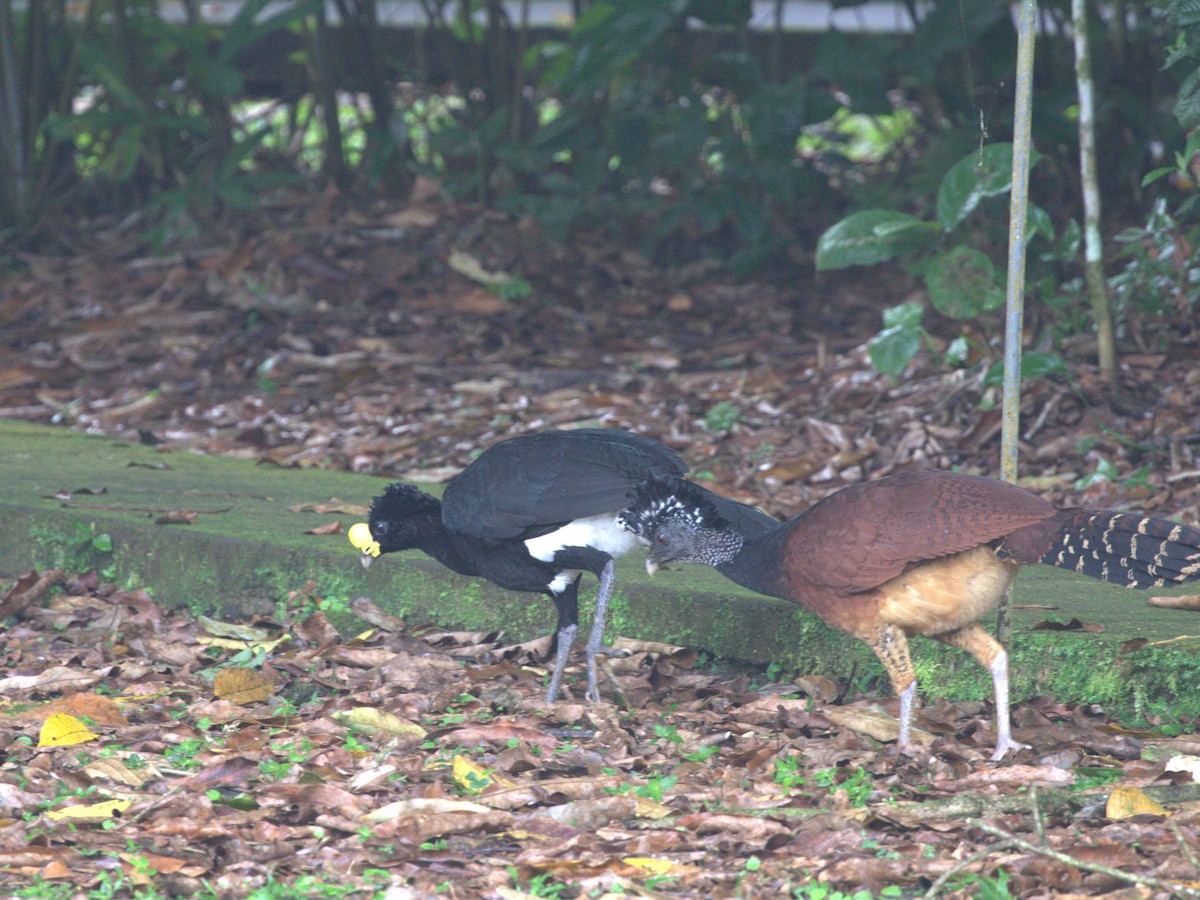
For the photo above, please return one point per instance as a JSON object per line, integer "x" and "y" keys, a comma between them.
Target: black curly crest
{"x": 655, "y": 503}
{"x": 402, "y": 501}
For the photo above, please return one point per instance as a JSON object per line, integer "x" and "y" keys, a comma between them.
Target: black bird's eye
{"x": 660, "y": 539}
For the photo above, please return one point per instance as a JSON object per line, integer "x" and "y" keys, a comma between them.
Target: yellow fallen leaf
{"x": 245, "y": 633}
{"x": 103, "y": 810}
{"x": 1128, "y": 801}
{"x": 468, "y": 266}
{"x": 62, "y": 730}
{"x": 649, "y": 865}
{"x": 473, "y": 777}
{"x": 375, "y": 720}
{"x": 233, "y": 644}
{"x": 650, "y": 809}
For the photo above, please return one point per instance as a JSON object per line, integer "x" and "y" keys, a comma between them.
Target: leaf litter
{"x": 359, "y": 340}
{"x": 390, "y": 341}
{"x": 425, "y": 761}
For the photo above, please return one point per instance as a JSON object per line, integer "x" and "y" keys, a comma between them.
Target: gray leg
{"x": 566, "y": 637}
{"x": 907, "y": 698}
{"x": 596, "y": 642}
{"x": 1004, "y": 738}
{"x": 993, "y": 657}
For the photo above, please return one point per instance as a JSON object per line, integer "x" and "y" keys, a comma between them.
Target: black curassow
{"x": 923, "y": 553}
{"x": 532, "y": 513}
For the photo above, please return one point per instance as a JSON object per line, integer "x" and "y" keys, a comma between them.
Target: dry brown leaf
{"x": 820, "y": 688}
{"x": 477, "y": 301}
{"x": 117, "y": 770}
{"x": 426, "y": 819}
{"x": 99, "y": 709}
{"x": 501, "y": 733}
{"x": 586, "y": 814}
{"x": 55, "y": 678}
{"x": 1052, "y": 776}
{"x": 373, "y": 615}
{"x": 243, "y": 686}
{"x": 334, "y": 505}
{"x": 27, "y": 590}
{"x": 872, "y": 722}
{"x": 177, "y": 517}
{"x": 334, "y": 527}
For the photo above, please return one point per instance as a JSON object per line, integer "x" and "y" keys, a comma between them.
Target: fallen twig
{"x": 1011, "y": 840}
{"x": 963, "y": 865}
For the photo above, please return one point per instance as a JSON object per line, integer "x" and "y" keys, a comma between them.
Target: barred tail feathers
{"x": 1133, "y": 550}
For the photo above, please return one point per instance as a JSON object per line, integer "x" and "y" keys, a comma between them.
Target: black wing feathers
{"x": 533, "y": 484}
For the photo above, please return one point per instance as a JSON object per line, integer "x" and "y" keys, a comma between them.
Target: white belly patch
{"x": 603, "y": 532}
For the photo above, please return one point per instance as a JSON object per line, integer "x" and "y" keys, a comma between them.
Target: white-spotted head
{"x": 679, "y": 522}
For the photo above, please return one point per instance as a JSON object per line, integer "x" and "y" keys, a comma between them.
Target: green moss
{"x": 248, "y": 557}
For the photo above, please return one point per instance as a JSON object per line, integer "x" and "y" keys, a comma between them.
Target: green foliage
{"x": 872, "y": 236}
{"x": 721, "y": 417}
{"x": 161, "y": 113}
{"x": 1160, "y": 276}
{"x": 817, "y": 891}
{"x": 962, "y": 283}
{"x": 986, "y": 887}
{"x": 789, "y": 772}
{"x": 857, "y": 784}
{"x": 986, "y": 173}
{"x": 699, "y": 158}
{"x": 75, "y": 548}
{"x": 899, "y": 341}
{"x": 961, "y": 280}
{"x": 540, "y": 885}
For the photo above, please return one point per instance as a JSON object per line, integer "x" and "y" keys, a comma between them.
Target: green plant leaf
{"x": 979, "y": 174}
{"x": 1039, "y": 223}
{"x": 904, "y": 315}
{"x": 1155, "y": 174}
{"x": 893, "y": 348}
{"x": 1188, "y": 13}
{"x": 1036, "y": 365}
{"x": 869, "y": 237}
{"x": 1033, "y": 365}
{"x": 962, "y": 283}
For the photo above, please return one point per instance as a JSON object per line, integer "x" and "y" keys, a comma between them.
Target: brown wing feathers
{"x": 866, "y": 534}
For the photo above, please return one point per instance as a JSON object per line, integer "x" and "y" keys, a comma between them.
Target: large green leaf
{"x": 962, "y": 283}
{"x": 871, "y": 236}
{"x": 981, "y": 173}
{"x": 1187, "y": 105}
{"x": 1188, "y": 13}
{"x": 893, "y": 348}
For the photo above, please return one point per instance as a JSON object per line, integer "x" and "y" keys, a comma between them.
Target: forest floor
{"x": 424, "y": 760}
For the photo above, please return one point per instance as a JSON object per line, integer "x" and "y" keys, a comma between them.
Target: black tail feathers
{"x": 1126, "y": 548}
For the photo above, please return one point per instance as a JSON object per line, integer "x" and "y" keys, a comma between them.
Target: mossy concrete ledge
{"x": 249, "y": 547}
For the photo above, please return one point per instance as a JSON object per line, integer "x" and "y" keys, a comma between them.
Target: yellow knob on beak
{"x": 360, "y": 536}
